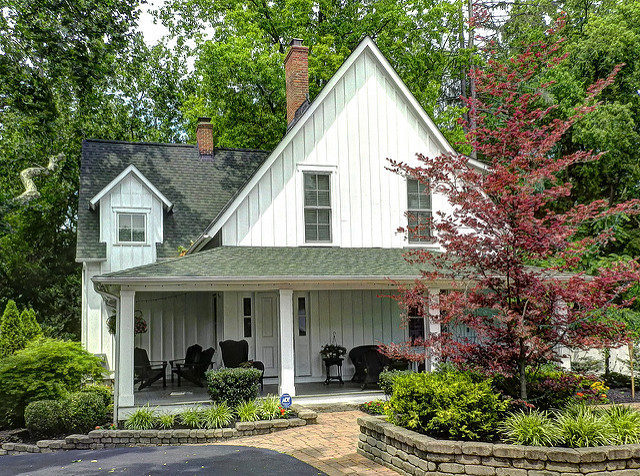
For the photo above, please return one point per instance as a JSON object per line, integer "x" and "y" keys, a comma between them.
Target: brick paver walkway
{"x": 329, "y": 445}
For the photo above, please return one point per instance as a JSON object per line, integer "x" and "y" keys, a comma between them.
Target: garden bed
{"x": 98, "y": 439}
{"x": 413, "y": 453}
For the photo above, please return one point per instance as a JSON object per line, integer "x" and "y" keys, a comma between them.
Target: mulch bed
{"x": 623, "y": 395}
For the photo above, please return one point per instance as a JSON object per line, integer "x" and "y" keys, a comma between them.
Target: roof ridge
{"x": 164, "y": 144}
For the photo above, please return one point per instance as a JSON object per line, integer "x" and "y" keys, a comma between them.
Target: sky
{"x": 152, "y": 32}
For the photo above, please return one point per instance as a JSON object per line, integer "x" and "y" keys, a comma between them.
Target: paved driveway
{"x": 209, "y": 460}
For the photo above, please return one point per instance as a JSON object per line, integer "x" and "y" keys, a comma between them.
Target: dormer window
{"x": 132, "y": 228}
{"x": 419, "y": 211}
{"x": 317, "y": 208}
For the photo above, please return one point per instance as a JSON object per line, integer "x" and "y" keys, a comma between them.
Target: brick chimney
{"x": 296, "y": 72}
{"x": 204, "y": 136}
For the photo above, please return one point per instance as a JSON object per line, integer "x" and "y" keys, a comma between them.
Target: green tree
{"x": 12, "y": 337}
{"x": 30, "y": 327}
{"x": 241, "y": 46}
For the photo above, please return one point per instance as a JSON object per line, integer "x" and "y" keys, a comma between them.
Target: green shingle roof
{"x": 197, "y": 187}
{"x": 270, "y": 263}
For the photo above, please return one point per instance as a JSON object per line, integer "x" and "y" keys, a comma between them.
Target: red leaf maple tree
{"x": 507, "y": 219}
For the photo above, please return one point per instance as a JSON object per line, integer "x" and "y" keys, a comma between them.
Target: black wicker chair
{"x": 235, "y": 353}
{"x": 357, "y": 358}
{"x": 147, "y": 372}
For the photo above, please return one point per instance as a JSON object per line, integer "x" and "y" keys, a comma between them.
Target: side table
{"x": 333, "y": 362}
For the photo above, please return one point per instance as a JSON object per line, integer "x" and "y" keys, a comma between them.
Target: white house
{"x": 285, "y": 248}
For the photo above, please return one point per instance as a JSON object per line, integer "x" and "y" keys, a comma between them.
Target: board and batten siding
{"x": 175, "y": 322}
{"x": 130, "y": 196}
{"x": 363, "y": 121}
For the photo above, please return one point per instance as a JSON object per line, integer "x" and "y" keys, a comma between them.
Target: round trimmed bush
{"x": 45, "y": 418}
{"x": 85, "y": 411}
{"x": 233, "y": 386}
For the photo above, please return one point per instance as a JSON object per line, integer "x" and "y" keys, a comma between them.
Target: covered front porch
{"x": 284, "y": 319}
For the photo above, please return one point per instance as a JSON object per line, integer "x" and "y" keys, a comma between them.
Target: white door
{"x": 267, "y": 345}
{"x": 302, "y": 334}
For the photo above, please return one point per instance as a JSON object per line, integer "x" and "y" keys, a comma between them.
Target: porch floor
{"x": 308, "y": 393}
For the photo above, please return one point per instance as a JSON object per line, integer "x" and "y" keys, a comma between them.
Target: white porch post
{"x": 287, "y": 364}
{"x": 434, "y": 327}
{"x": 124, "y": 331}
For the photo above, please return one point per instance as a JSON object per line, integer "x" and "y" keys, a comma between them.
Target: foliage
{"x": 166, "y": 421}
{"x": 233, "y": 385}
{"x": 30, "y": 325}
{"x": 269, "y": 407}
{"x": 84, "y": 411}
{"x": 580, "y": 426}
{"x": 45, "y": 418}
{"x": 143, "y": 418}
{"x": 332, "y": 351}
{"x": 45, "y": 369}
{"x": 217, "y": 415}
{"x": 241, "y": 48}
{"x": 248, "y": 411}
{"x": 387, "y": 378}
{"x": 192, "y": 418}
{"x": 374, "y": 407}
{"x": 624, "y": 423}
{"x": 103, "y": 391}
{"x": 586, "y": 365}
{"x": 507, "y": 219}
{"x": 619, "y": 380}
{"x": 447, "y": 404}
{"x": 12, "y": 336}
{"x": 532, "y": 428}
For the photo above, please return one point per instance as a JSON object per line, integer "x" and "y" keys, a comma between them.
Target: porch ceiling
{"x": 234, "y": 263}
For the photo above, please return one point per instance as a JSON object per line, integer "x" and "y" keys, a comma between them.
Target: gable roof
{"x": 253, "y": 263}
{"x": 197, "y": 189}
{"x": 306, "y": 112}
{"x": 133, "y": 171}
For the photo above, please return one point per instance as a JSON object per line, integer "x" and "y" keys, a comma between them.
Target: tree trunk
{"x": 523, "y": 380}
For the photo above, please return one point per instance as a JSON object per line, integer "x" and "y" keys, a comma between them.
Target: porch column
{"x": 287, "y": 367}
{"x": 124, "y": 336}
{"x": 433, "y": 327}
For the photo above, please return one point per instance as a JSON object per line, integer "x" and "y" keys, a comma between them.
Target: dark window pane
{"x": 324, "y": 233}
{"x": 138, "y": 236}
{"x": 124, "y": 234}
{"x": 310, "y": 198}
{"x": 302, "y": 317}
{"x": 309, "y": 181}
{"x": 323, "y": 217}
{"x": 247, "y": 327}
{"x": 310, "y": 233}
{"x": 301, "y": 304}
{"x": 323, "y": 182}
{"x": 416, "y": 328}
{"x": 246, "y": 306}
{"x": 311, "y": 216}
{"x": 137, "y": 221}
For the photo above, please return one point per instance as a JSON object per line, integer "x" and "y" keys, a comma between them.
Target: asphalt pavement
{"x": 214, "y": 460}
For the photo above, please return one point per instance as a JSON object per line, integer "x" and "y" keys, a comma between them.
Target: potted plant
{"x": 332, "y": 351}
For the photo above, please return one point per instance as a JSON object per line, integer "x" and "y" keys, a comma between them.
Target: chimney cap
{"x": 202, "y": 120}
{"x": 296, "y": 42}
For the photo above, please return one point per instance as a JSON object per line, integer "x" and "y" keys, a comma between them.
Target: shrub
{"x": 104, "y": 392}
{"x": 143, "y": 418}
{"x": 533, "y": 428}
{"x": 618, "y": 380}
{"x": 386, "y": 379}
{"x": 374, "y": 407}
{"x": 166, "y": 421}
{"x": 233, "y": 385}
{"x": 448, "y": 404}
{"x": 45, "y": 418}
{"x": 218, "y": 415}
{"x": 579, "y": 426}
{"x": 30, "y": 327}
{"x": 248, "y": 411}
{"x": 269, "y": 408}
{"x": 624, "y": 423}
{"x": 192, "y": 418}
{"x": 85, "y": 411}
{"x": 12, "y": 336}
{"x": 46, "y": 369}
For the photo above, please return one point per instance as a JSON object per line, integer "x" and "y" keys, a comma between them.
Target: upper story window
{"x": 317, "y": 208}
{"x": 419, "y": 211}
{"x": 132, "y": 228}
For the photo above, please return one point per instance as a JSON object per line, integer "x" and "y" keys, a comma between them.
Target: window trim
{"x": 330, "y": 207}
{"x": 145, "y": 217}
{"x": 412, "y": 240}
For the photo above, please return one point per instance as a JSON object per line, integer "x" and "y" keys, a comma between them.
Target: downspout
{"x": 101, "y": 290}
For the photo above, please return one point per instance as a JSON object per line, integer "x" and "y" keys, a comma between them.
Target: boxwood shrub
{"x": 386, "y": 379}
{"x": 448, "y": 404}
{"x": 233, "y": 386}
{"x": 45, "y": 418}
{"x": 85, "y": 410}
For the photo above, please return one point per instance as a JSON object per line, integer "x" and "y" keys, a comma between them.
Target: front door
{"x": 267, "y": 348}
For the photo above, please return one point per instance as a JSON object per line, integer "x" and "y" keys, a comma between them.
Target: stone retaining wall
{"x": 98, "y": 439}
{"x": 409, "y": 452}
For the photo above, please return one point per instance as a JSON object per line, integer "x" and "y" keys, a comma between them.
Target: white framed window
{"x": 317, "y": 207}
{"x": 247, "y": 314}
{"x": 419, "y": 212}
{"x": 132, "y": 227}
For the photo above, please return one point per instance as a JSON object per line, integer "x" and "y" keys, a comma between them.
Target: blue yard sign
{"x": 285, "y": 400}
